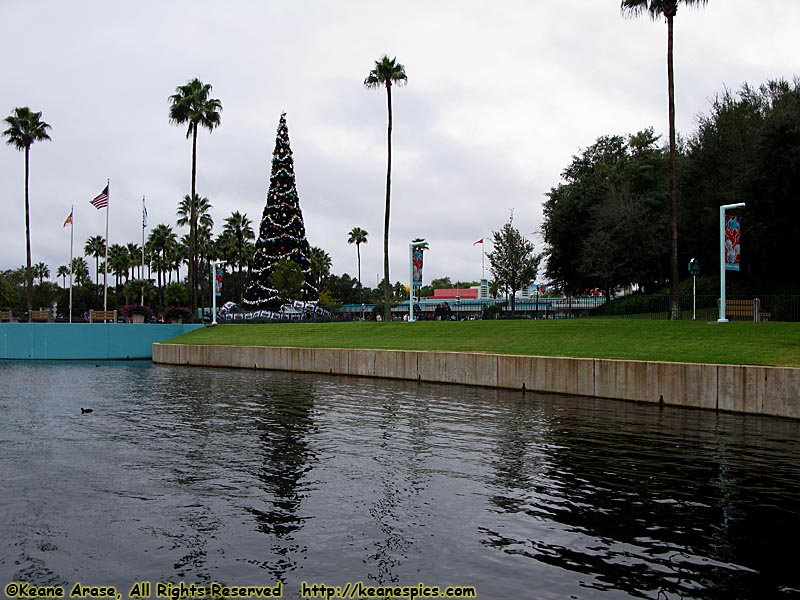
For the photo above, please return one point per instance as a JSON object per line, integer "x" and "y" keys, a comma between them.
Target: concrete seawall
{"x": 747, "y": 389}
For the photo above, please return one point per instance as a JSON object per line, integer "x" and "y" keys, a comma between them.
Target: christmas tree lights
{"x": 282, "y": 234}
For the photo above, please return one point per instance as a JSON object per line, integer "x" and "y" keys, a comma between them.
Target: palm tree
{"x": 358, "y": 236}
{"x": 202, "y": 210}
{"x": 41, "y": 271}
{"x": 135, "y": 254}
{"x": 25, "y": 128}
{"x": 191, "y": 104}
{"x": 386, "y": 72}
{"x": 119, "y": 262}
{"x": 239, "y": 227}
{"x": 63, "y": 271}
{"x": 668, "y": 9}
{"x": 95, "y": 247}
{"x": 161, "y": 239}
{"x": 320, "y": 264}
{"x": 80, "y": 271}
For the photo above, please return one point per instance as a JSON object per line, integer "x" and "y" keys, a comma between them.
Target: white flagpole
{"x": 483, "y": 255}
{"x": 105, "y": 265}
{"x": 144, "y": 224}
{"x": 71, "y": 237}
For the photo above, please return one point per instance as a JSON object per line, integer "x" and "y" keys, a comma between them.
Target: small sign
{"x": 694, "y": 267}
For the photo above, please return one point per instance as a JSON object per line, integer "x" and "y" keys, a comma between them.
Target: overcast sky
{"x": 501, "y": 94}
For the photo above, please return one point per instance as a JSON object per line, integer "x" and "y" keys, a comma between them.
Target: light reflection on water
{"x": 197, "y": 475}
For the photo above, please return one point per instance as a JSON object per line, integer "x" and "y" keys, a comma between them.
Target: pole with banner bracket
{"x": 722, "y": 210}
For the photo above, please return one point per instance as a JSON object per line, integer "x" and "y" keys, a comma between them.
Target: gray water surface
{"x": 197, "y": 475}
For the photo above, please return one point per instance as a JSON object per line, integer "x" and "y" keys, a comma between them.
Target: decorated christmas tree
{"x": 282, "y": 235}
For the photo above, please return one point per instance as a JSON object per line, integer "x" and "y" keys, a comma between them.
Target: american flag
{"x": 101, "y": 200}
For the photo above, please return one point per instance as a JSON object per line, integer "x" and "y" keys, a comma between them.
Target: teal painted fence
{"x": 84, "y": 341}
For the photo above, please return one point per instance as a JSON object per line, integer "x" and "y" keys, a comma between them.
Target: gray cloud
{"x": 500, "y": 96}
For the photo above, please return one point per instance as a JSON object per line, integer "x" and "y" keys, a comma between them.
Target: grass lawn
{"x": 674, "y": 341}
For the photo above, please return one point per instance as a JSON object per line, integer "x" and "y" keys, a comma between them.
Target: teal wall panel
{"x": 84, "y": 341}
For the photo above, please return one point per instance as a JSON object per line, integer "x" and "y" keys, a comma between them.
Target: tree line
{"x": 607, "y": 224}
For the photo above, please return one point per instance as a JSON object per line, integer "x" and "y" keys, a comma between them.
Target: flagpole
{"x": 483, "y": 257}
{"x": 144, "y": 224}
{"x": 105, "y": 265}
{"x": 71, "y": 237}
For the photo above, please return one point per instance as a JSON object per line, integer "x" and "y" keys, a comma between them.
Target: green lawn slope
{"x": 748, "y": 343}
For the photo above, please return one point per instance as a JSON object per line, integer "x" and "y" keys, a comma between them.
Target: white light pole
{"x": 214, "y": 265}
{"x": 722, "y": 210}
{"x": 411, "y": 247}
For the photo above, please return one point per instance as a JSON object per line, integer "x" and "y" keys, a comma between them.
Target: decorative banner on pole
{"x": 417, "y": 262}
{"x": 218, "y": 272}
{"x": 733, "y": 234}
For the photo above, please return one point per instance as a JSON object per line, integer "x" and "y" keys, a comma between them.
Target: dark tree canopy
{"x": 607, "y": 224}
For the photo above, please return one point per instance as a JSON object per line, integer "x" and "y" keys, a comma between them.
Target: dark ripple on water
{"x": 197, "y": 475}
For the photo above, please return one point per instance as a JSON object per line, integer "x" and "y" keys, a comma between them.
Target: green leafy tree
{"x": 342, "y": 289}
{"x": 612, "y": 199}
{"x": 512, "y": 259}
{"x": 176, "y": 294}
{"x": 25, "y": 128}
{"x": 191, "y": 104}
{"x": 287, "y": 279}
{"x": 387, "y": 72}
{"x": 667, "y": 9}
{"x": 358, "y": 236}
{"x": 746, "y": 148}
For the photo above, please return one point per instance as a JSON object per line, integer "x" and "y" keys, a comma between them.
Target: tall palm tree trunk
{"x": 29, "y": 271}
{"x": 674, "y": 287}
{"x": 193, "y": 227}
{"x": 387, "y": 312}
{"x": 360, "y": 287}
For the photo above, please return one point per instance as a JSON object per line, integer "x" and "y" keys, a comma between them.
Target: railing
{"x": 755, "y": 307}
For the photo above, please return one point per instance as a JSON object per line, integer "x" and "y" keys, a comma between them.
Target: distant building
{"x": 453, "y": 293}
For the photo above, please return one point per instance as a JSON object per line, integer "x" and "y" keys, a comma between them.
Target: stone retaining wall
{"x": 747, "y": 389}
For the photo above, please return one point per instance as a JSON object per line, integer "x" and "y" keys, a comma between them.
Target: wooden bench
{"x": 96, "y": 316}
{"x": 41, "y": 316}
{"x": 5, "y": 315}
{"x": 745, "y": 310}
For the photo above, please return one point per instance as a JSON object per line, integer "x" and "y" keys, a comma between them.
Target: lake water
{"x": 198, "y": 475}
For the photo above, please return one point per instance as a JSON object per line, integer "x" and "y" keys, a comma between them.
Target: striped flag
{"x": 68, "y": 220}
{"x": 144, "y": 215}
{"x": 101, "y": 200}
{"x": 480, "y": 241}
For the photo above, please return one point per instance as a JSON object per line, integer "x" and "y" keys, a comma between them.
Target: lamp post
{"x": 216, "y": 288}
{"x": 411, "y": 247}
{"x": 722, "y": 210}
{"x": 694, "y": 269}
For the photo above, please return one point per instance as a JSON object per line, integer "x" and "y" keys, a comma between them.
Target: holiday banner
{"x": 733, "y": 234}
{"x": 218, "y": 272}
{"x": 416, "y": 261}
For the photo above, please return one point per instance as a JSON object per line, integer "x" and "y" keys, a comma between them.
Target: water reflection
{"x": 285, "y": 423}
{"x": 185, "y": 474}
